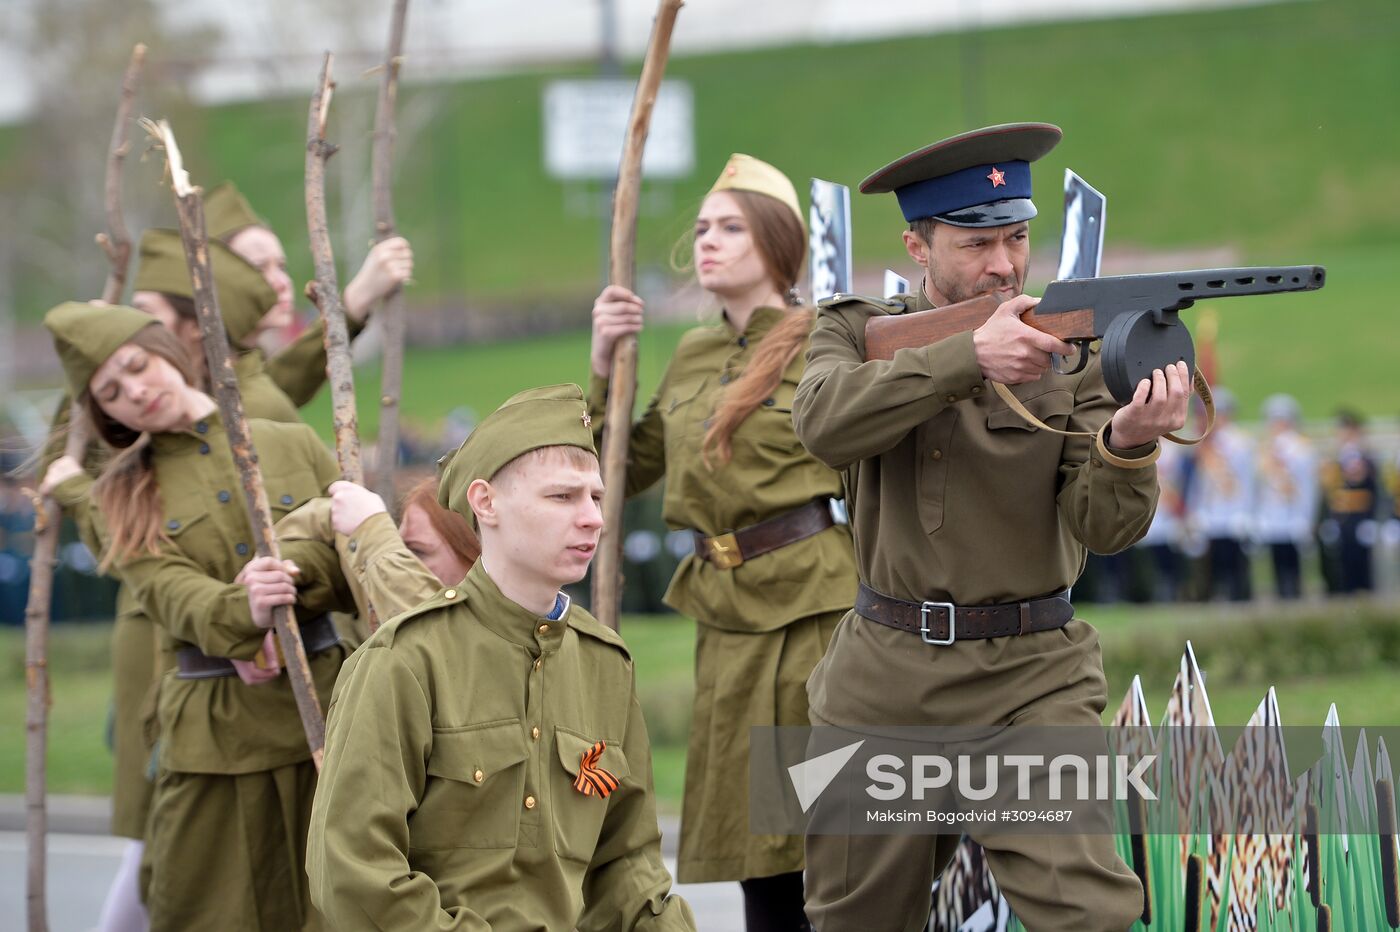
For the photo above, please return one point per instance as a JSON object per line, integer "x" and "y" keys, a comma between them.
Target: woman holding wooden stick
{"x": 772, "y": 573}
{"x": 226, "y": 836}
{"x": 162, "y": 289}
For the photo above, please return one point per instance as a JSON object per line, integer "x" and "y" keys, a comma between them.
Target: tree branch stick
{"x": 189, "y": 204}
{"x": 622, "y": 384}
{"x": 324, "y": 292}
{"x": 116, "y": 243}
{"x": 391, "y": 369}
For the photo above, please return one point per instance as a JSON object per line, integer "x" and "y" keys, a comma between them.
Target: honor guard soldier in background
{"x": 955, "y": 501}
{"x": 487, "y": 765}
{"x": 1220, "y": 502}
{"x": 1351, "y": 486}
{"x": 1287, "y": 494}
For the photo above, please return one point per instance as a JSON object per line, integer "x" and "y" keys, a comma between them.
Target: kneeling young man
{"x": 487, "y": 765}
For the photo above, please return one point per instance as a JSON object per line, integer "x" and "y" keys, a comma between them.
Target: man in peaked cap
{"x": 956, "y": 503}
{"x": 487, "y": 765}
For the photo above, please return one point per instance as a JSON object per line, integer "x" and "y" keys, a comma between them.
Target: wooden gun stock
{"x": 885, "y": 335}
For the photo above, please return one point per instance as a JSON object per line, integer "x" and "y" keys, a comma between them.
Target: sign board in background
{"x": 829, "y": 239}
{"x": 585, "y": 121}
{"x": 1081, "y": 241}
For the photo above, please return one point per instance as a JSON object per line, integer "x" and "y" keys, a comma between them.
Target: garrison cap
{"x": 86, "y": 335}
{"x": 226, "y": 211}
{"x": 746, "y": 173}
{"x": 244, "y": 295}
{"x": 553, "y": 416}
{"x": 976, "y": 179}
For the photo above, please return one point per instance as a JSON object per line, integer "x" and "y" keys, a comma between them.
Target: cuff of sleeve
{"x": 597, "y": 394}
{"x": 375, "y": 536}
{"x": 244, "y": 637}
{"x": 1136, "y": 458}
{"x": 952, "y": 365}
{"x": 73, "y": 491}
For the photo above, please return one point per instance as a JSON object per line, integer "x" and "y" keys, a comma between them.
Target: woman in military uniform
{"x": 299, "y": 369}
{"x": 244, "y": 299}
{"x": 227, "y": 829}
{"x": 771, "y": 574}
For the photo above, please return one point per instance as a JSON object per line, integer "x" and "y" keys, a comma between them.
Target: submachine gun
{"x": 1136, "y": 317}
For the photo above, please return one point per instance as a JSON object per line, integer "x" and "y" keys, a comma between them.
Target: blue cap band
{"x": 969, "y": 187}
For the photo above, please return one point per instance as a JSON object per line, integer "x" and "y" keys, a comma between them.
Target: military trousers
{"x": 229, "y": 851}
{"x": 874, "y": 675}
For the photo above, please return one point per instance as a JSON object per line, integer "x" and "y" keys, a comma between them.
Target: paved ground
{"x": 83, "y": 858}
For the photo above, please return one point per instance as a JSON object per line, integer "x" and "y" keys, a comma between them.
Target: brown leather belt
{"x": 727, "y": 551}
{"x": 930, "y": 619}
{"x": 191, "y": 663}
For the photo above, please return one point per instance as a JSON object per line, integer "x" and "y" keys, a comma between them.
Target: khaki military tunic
{"x": 275, "y": 388}
{"x": 762, "y": 625}
{"x": 379, "y": 568}
{"x": 225, "y": 839}
{"x": 447, "y": 800}
{"x": 953, "y": 497}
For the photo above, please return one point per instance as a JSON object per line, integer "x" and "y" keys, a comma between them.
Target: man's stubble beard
{"x": 956, "y": 294}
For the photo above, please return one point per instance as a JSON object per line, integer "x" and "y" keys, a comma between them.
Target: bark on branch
{"x": 391, "y": 378}
{"x": 116, "y": 244}
{"x": 324, "y": 292}
{"x": 189, "y": 204}
{"x": 622, "y": 384}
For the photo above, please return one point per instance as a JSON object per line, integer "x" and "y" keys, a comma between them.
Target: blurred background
{"x": 1222, "y": 133}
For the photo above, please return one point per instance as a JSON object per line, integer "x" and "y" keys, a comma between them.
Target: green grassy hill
{"x": 1268, "y": 128}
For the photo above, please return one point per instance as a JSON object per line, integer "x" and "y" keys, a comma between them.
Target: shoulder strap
{"x": 1198, "y": 384}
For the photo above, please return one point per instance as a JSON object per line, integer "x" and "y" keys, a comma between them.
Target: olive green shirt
{"x": 379, "y": 568}
{"x": 447, "y": 797}
{"x": 952, "y": 496}
{"x": 275, "y": 388}
{"x": 222, "y": 725}
{"x": 770, "y": 474}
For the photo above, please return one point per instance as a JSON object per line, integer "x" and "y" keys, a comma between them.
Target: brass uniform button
{"x": 535, "y": 732}
{"x": 976, "y": 389}
{"x": 937, "y": 454}
{"x": 544, "y": 629}
{"x": 950, "y": 398}
{"x": 450, "y": 594}
{"x": 529, "y": 802}
{"x": 538, "y": 661}
{"x": 478, "y": 776}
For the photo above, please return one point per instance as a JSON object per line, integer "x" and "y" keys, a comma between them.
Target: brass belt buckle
{"x": 724, "y": 551}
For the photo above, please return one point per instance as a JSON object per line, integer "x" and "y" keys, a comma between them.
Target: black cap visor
{"x": 995, "y": 214}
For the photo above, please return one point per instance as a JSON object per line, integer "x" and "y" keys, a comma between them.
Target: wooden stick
{"x": 391, "y": 369}
{"x": 324, "y": 292}
{"x": 622, "y": 383}
{"x": 189, "y": 204}
{"x": 116, "y": 243}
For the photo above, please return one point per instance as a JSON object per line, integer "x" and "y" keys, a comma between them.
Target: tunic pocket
{"x": 1049, "y": 407}
{"x": 476, "y": 781}
{"x": 578, "y": 819}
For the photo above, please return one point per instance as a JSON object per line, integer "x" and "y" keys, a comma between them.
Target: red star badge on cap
{"x": 997, "y": 178}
